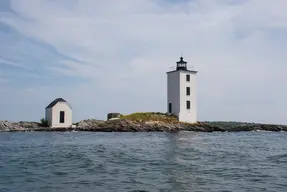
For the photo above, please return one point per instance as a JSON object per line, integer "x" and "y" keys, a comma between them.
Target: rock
{"x": 20, "y": 126}
{"x": 26, "y": 124}
{"x": 127, "y": 125}
{"x": 90, "y": 123}
{"x": 10, "y": 126}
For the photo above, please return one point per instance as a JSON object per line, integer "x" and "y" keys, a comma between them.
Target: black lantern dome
{"x": 181, "y": 65}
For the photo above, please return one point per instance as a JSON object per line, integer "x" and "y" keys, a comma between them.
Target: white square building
{"x": 59, "y": 113}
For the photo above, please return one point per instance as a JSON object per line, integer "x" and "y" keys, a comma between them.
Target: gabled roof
{"x": 53, "y": 103}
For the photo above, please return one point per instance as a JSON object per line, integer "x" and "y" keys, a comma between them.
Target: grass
{"x": 150, "y": 116}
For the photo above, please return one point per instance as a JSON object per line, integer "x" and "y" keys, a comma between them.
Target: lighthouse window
{"x": 187, "y": 77}
{"x": 187, "y": 90}
{"x": 187, "y": 104}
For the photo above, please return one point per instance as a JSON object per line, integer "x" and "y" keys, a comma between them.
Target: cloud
{"x": 125, "y": 47}
{"x": 14, "y": 64}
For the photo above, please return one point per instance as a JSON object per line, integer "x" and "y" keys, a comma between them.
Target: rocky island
{"x": 142, "y": 122}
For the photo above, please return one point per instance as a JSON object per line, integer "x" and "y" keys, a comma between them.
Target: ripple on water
{"x": 143, "y": 162}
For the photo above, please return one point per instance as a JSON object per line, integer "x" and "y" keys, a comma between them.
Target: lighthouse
{"x": 181, "y": 92}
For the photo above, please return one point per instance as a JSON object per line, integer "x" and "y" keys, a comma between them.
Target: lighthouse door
{"x": 170, "y": 107}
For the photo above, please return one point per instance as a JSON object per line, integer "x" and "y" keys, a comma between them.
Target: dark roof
{"x": 53, "y": 103}
{"x": 190, "y": 71}
{"x": 181, "y": 60}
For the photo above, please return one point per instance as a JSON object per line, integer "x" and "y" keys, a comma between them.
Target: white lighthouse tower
{"x": 181, "y": 92}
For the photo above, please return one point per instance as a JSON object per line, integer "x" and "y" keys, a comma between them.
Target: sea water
{"x": 154, "y": 162}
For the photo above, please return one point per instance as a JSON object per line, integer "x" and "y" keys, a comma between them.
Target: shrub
{"x": 151, "y": 116}
{"x": 44, "y": 122}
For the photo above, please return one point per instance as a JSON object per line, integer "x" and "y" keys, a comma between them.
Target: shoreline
{"x": 125, "y": 125}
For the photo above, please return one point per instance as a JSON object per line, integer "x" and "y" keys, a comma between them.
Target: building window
{"x": 187, "y": 77}
{"x": 169, "y": 108}
{"x": 187, "y": 90}
{"x": 62, "y": 116}
{"x": 187, "y": 104}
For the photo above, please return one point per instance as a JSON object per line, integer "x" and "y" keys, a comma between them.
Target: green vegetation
{"x": 76, "y": 124}
{"x": 151, "y": 116}
{"x": 169, "y": 118}
{"x": 44, "y": 122}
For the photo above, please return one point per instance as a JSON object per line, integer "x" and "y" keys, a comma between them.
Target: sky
{"x": 112, "y": 56}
